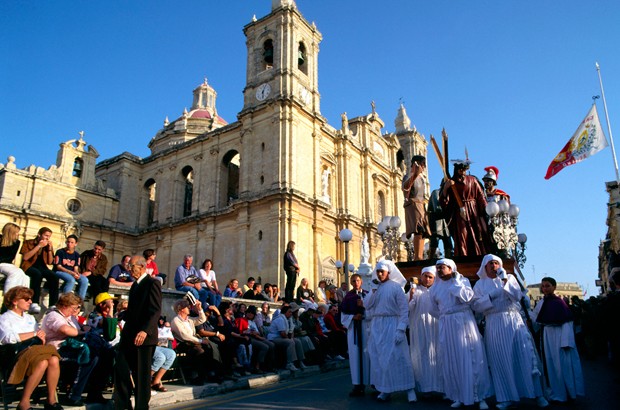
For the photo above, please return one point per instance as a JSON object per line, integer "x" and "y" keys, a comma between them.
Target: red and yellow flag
{"x": 585, "y": 142}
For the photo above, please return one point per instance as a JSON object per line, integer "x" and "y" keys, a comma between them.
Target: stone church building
{"x": 235, "y": 192}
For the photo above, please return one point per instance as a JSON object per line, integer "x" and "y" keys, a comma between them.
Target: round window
{"x": 74, "y": 206}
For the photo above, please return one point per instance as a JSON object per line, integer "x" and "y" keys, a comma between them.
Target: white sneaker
{"x": 34, "y": 308}
{"x": 411, "y": 397}
{"x": 541, "y": 402}
{"x": 291, "y": 367}
{"x": 503, "y": 405}
{"x": 339, "y": 358}
{"x": 302, "y": 366}
{"x": 483, "y": 405}
{"x": 456, "y": 404}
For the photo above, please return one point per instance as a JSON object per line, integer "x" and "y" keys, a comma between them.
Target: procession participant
{"x": 559, "y": 351}
{"x": 390, "y": 361}
{"x": 94, "y": 265}
{"x": 395, "y": 274}
{"x": 464, "y": 369}
{"x": 352, "y": 316}
{"x": 467, "y": 224}
{"x": 416, "y": 219}
{"x": 516, "y": 370}
{"x": 37, "y": 254}
{"x": 424, "y": 334}
{"x": 493, "y": 194}
{"x": 439, "y": 227}
{"x": 9, "y": 245}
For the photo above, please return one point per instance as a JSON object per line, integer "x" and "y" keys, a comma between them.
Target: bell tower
{"x": 282, "y": 60}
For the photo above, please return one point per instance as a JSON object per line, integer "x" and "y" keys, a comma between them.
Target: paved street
{"x": 330, "y": 391}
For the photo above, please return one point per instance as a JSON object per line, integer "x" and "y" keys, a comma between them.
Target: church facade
{"x": 233, "y": 192}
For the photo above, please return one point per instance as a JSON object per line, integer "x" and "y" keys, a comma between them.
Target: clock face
{"x": 263, "y": 91}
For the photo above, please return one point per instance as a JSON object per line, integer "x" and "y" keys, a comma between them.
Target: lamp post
{"x": 408, "y": 242}
{"x": 520, "y": 247}
{"x": 345, "y": 236}
{"x": 338, "y": 267}
{"x": 388, "y": 229}
{"x": 503, "y": 218}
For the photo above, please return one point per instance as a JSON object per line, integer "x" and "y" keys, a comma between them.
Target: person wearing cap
{"x": 466, "y": 220}
{"x": 353, "y": 315}
{"x": 415, "y": 188}
{"x": 390, "y": 361}
{"x": 491, "y": 191}
{"x": 104, "y": 327}
{"x": 516, "y": 370}
{"x": 464, "y": 368}
{"x": 138, "y": 338}
{"x": 424, "y": 334}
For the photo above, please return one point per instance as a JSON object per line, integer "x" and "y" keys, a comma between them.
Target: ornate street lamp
{"x": 390, "y": 235}
{"x": 408, "y": 243}
{"x": 520, "y": 257}
{"x": 503, "y": 219}
{"x": 345, "y": 236}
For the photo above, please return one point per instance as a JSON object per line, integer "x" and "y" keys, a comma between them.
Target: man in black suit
{"x": 138, "y": 339}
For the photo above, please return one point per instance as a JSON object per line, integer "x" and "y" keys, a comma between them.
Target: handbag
{"x": 74, "y": 350}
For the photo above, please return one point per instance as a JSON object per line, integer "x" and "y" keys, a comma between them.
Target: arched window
{"x": 232, "y": 163}
{"x": 78, "y": 166}
{"x": 151, "y": 190}
{"x": 302, "y": 58}
{"x": 268, "y": 54}
{"x": 400, "y": 159}
{"x": 188, "y": 178}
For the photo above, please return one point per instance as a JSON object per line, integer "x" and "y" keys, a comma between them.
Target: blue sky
{"x": 511, "y": 80}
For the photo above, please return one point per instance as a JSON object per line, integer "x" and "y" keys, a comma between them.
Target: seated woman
{"x": 234, "y": 339}
{"x": 17, "y": 327}
{"x": 60, "y": 324}
{"x": 321, "y": 292}
{"x": 305, "y": 296}
{"x": 9, "y": 245}
{"x": 164, "y": 356}
{"x": 232, "y": 289}
{"x": 208, "y": 278}
{"x": 195, "y": 347}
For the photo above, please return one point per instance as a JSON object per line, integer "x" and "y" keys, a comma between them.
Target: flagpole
{"x": 611, "y": 138}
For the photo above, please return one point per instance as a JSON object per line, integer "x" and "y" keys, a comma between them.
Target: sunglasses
{"x": 27, "y": 299}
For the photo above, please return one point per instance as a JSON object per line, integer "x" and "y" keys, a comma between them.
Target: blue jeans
{"x": 202, "y": 295}
{"x": 163, "y": 358}
{"x": 69, "y": 283}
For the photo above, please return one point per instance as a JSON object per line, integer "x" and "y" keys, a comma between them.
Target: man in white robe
{"x": 390, "y": 361}
{"x": 424, "y": 334}
{"x": 464, "y": 369}
{"x": 559, "y": 351}
{"x": 516, "y": 370}
{"x": 352, "y": 316}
